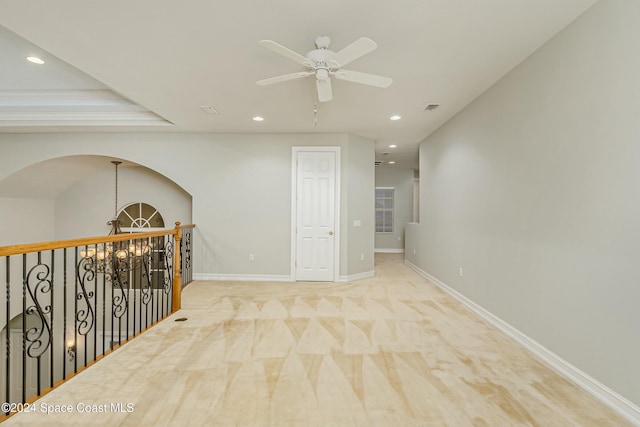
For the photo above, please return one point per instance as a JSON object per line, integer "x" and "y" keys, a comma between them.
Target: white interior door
{"x": 315, "y": 215}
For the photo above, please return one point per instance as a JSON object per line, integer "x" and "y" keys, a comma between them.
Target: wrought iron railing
{"x": 69, "y": 303}
{"x": 185, "y": 254}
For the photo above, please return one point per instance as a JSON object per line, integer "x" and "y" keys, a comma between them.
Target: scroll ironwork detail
{"x": 39, "y": 283}
{"x": 85, "y": 317}
{"x": 120, "y": 281}
{"x": 168, "y": 264}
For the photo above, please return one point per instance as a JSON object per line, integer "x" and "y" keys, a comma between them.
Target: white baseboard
{"x": 243, "y": 277}
{"x": 609, "y": 397}
{"x": 358, "y": 276}
{"x": 388, "y": 251}
{"x": 270, "y": 278}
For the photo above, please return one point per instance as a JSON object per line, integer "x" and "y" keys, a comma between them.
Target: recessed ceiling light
{"x": 35, "y": 60}
{"x": 395, "y": 117}
{"x": 258, "y": 119}
{"x": 393, "y": 146}
{"x": 392, "y": 162}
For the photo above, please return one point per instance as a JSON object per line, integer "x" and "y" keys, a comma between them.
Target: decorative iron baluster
{"x": 146, "y": 274}
{"x": 168, "y": 277}
{"x": 51, "y": 354}
{"x": 75, "y": 318}
{"x": 120, "y": 282}
{"x": 120, "y": 296}
{"x": 186, "y": 257}
{"x": 38, "y": 337}
{"x": 95, "y": 307}
{"x": 24, "y": 328}
{"x": 104, "y": 310}
{"x": 145, "y": 291}
{"x": 158, "y": 279}
{"x": 135, "y": 285}
{"x": 85, "y": 318}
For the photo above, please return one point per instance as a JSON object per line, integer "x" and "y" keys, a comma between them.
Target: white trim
{"x": 294, "y": 209}
{"x": 73, "y": 107}
{"x": 28, "y": 98}
{"x": 294, "y": 183}
{"x": 388, "y": 251}
{"x": 243, "y": 277}
{"x": 607, "y": 396}
{"x": 357, "y": 276}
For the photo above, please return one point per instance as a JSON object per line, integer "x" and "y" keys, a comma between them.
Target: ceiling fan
{"x": 324, "y": 63}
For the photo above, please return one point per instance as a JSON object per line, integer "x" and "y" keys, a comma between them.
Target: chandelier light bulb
{"x": 121, "y": 254}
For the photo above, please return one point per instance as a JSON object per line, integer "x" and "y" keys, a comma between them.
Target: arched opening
{"x": 72, "y": 196}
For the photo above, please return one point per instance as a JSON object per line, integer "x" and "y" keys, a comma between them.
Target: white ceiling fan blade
{"x": 355, "y": 50}
{"x": 324, "y": 90}
{"x": 364, "y": 78}
{"x": 284, "y": 51}
{"x": 284, "y": 78}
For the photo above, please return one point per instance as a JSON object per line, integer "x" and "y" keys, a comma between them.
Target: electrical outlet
{"x": 361, "y": 257}
{"x": 399, "y": 238}
{"x": 414, "y": 251}
{"x": 461, "y": 272}
{"x": 251, "y": 258}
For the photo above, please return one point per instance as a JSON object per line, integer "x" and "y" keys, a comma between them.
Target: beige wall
{"x": 534, "y": 190}
{"x": 240, "y": 185}
{"x": 360, "y": 197}
{"x": 85, "y": 207}
{"x": 402, "y": 180}
{"x": 26, "y": 221}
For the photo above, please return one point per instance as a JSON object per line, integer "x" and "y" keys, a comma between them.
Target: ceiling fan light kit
{"x": 324, "y": 63}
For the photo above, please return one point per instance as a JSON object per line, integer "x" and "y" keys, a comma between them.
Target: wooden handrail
{"x": 60, "y": 244}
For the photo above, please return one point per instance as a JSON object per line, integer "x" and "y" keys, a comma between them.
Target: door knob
{"x": 331, "y": 233}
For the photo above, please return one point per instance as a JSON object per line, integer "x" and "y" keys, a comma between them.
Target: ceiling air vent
{"x": 431, "y": 107}
{"x": 209, "y": 109}
{"x": 378, "y": 162}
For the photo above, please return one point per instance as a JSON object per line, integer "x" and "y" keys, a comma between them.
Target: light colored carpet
{"x": 393, "y": 350}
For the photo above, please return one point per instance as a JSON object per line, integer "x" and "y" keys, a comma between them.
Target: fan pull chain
{"x": 315, "y": 114}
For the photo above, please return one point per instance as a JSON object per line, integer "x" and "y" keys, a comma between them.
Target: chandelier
{"x": 115, "y": 251}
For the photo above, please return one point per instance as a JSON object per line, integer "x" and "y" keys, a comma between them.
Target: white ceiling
{"x": 170, "y": 58}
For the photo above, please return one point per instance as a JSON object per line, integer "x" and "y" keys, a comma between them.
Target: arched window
{"x": 140, "y": 215}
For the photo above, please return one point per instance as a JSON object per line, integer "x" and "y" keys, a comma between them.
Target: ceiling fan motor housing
{"x": 320, "y": 57}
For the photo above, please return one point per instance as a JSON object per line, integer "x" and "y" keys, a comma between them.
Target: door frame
{"x": 294, "y": 206}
